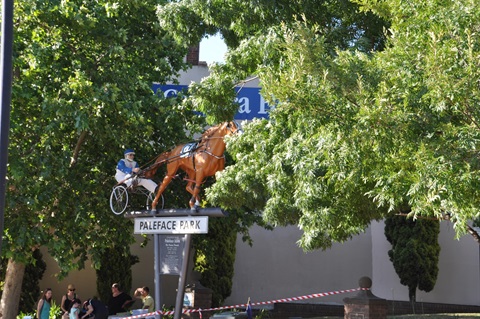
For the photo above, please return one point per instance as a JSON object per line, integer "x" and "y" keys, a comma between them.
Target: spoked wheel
{"x": 151, "y": 197}
{"x": 119, "y": 199}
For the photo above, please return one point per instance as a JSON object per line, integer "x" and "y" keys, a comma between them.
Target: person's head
{"x": 47, "y": 294}
{"x": 115, "y": 287}
{"x": 76, "y": 303}
{"x": 71, "y": 288}
{"x": 145, "y": 291}
{"x": 129, "y": 154}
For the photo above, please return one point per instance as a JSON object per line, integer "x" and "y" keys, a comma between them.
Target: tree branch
{"x": 76, "y": 151}
{"x": 474, "y": 233}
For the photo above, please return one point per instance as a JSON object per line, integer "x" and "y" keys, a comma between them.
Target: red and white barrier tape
{"x": 322, "y": 294}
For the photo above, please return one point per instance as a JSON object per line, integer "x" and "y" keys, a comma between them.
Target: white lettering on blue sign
{"x": 251, "y": 103}
{"x": 244, "y": 105}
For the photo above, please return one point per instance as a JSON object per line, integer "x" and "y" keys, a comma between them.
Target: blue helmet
{"x": 128, "y": 151}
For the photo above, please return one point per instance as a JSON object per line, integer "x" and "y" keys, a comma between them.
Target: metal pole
{"x": 182, "y": 278}
{"x": 156, "y": 269}
{"x": 6, "y": 95}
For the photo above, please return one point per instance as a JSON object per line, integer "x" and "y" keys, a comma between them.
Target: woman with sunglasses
{"x": 67, "y": 300}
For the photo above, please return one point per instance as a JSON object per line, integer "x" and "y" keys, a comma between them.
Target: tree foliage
{"x": 250, "y": 28}
{"x": 415, "y": 252}
{"x": 81, "y": 95}
{"x": 356, "y": 135}
{"x": 83, "y": 73}
{"x": 116, "y": 267}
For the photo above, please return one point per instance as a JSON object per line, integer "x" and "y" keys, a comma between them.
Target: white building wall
{"x": 275, "y": 267}
{"x": 195, "y": 74}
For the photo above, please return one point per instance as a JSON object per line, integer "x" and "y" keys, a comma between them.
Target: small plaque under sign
{"x": 171, "y": 254}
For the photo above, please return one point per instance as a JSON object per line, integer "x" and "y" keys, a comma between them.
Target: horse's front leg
{"x": 166, "y": 180}
{"x": 195, "y": 200}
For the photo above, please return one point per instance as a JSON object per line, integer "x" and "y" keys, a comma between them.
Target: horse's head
{"x": 221, "y": 130}
{"x": 233, "y": 127}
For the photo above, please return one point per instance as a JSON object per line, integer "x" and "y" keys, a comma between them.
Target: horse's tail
{"x": 161, "y": 159}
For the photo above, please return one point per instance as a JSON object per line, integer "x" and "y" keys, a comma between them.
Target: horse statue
{"x": 198, "y": 160}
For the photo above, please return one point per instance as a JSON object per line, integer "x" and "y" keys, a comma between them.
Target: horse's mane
{"x": 209, "y": 132}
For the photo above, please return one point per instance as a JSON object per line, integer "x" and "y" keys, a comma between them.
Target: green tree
{"x": 253, "y": 32}
{"x": 340, "y": 21}
{"x": 247, "y": 27}
{"x": 30, "y": 292}
{"x": 83, "y": 73}
{"x": 354, "y": 135}
{"x": 116, "y": 267}
{"x": 415, "y": 252}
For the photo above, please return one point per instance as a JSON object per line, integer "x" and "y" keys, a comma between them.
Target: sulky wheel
{"x": 119, "y": 199}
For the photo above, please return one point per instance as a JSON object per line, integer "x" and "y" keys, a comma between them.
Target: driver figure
{"x": 127, "y": 167}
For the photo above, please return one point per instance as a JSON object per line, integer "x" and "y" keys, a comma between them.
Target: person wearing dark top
{"x": 67, "y": 300}
{"x": 120, "y": 301}
{"x": 94, "y": 308}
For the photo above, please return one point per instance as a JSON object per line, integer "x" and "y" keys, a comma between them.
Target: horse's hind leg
{"x": 191, "y": 181}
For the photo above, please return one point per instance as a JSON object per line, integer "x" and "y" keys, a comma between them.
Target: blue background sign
{"x": 251, "y": 102}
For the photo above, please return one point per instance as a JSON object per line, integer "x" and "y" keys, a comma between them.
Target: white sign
{"x": 172, "y": 225}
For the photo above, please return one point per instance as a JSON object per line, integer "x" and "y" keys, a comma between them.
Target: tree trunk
{"x": 11, "y": 290}
{"x": 412, "y": 296}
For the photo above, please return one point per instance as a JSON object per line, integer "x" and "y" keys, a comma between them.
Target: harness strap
{"x": 193, "y": 162}
{"x": 216, "y": 156}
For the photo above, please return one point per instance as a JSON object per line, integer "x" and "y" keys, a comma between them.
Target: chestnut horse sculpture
{"x": 199, "y": 160}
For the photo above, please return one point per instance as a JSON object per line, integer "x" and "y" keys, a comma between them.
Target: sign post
{"x": 182, "y": 278}
{"x": 172, "y": 222}
{"x": 156, "y": 269}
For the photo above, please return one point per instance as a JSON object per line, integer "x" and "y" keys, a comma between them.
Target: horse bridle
{"x": 237, "y": 126}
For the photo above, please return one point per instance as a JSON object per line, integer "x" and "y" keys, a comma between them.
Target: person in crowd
{"x": 75, "y": 309}
{"x": 120, "y": 301}
{"x": 95, "y": 309}
{"x": 127, "y": 167}
{"x": 67, "y": 300}
{"x": 44, "y": 304}
{"x": 147, "y": 300}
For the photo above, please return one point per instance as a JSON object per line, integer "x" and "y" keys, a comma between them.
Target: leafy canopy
{"x": 83, "y": 73}
{"x": 356, "y": 135}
